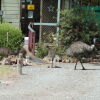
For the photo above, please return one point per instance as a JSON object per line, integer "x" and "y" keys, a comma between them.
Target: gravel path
{"x": 41, "y": 83}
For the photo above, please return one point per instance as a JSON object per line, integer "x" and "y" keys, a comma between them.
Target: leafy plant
{"x": 48, "y": 37}
{"x": 1, "y": 57}
{"x": 41, "y": 51}
{"x": 78, "y": 24}
{"x": 10, "y": 36}
{"x": 60, "y": 51}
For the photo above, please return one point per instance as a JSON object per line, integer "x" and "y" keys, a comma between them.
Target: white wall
{"x": 11, "y": 11}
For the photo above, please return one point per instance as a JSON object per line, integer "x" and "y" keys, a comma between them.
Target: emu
{"x": 51, "y": 54}
{"x": 79, "y": 50}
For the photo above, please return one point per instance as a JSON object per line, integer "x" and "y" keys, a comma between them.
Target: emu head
{"x": 92, "y": 46}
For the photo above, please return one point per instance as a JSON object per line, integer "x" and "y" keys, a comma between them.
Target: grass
{"x": 7, "y": 72}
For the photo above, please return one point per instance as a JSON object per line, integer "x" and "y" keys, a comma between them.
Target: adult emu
{"x": 79, "y": 50}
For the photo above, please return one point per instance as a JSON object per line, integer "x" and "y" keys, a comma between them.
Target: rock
{"x": 66, "y": 59}
{"x": 57, "y": 58}
{"x": 7, "y": 82}
{"x": 49, "y": 59}
{"x": 26, "y": 61}
{"x": 13, "y": 59}
{"x": 6, "y": 61}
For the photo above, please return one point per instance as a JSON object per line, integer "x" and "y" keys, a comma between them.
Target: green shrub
{"x": 60, "y": 51}
{"x": 41, "y": 51}
{"x": 1, "y": 57}
{"x": 10, "y": 36}
{"x": 48, "y": 37}
{"x": 78, "y": 25}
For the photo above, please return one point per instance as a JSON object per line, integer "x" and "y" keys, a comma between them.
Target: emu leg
{"x": 52, "y": 64}
{"x": 82, "y": 65}
{"x": 75, "y": 65}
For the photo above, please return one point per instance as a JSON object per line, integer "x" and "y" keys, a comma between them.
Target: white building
{"x": 11, "y": 11}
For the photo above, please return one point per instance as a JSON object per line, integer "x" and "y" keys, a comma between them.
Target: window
{"x": 30, "y": 14}
{"x": 23, "y": 1}
{"x": 28, "y": 0}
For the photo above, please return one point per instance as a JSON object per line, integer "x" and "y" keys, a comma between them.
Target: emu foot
{"x": 83, "y": 69}
{"x": 75, "y": 68}
{"x": 57, "y": 67}
{"x": 50, "y": 67}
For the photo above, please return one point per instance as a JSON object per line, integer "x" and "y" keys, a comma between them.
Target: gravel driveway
{"x": 41, "y": 83}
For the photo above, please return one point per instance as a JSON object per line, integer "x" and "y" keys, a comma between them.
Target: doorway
{"x": 29, "y": 15}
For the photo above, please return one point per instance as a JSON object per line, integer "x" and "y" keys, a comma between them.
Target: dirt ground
{"x": 39, "y": 82}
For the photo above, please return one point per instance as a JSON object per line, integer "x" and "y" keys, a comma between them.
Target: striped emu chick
{"x": 51, "y": 54}
{"x": 79, "y": 50}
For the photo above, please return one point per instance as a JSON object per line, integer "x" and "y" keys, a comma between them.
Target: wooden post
{"x": 20, "y": 63}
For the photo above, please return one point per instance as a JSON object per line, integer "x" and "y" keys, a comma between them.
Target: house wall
{"x": 11, "y": 11}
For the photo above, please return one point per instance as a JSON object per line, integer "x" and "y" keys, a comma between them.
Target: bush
{"x": 10, "y": 36}
{"x": 48, "y": 37}
{"x": 41, "y": 51}
{"x": 78, "y": 25}
{"x": 1, "y": 57}
{"x": 60, "y": 51}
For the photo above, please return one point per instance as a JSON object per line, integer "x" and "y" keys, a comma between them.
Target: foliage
{"x": 48, "y": 37}
{"x": 1, "y": 57}
{"x": 10, "y": 36}
{"x": 78, "y": 24}
{"x": 60, "y": 51}
{"x": 41, "y": 50}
